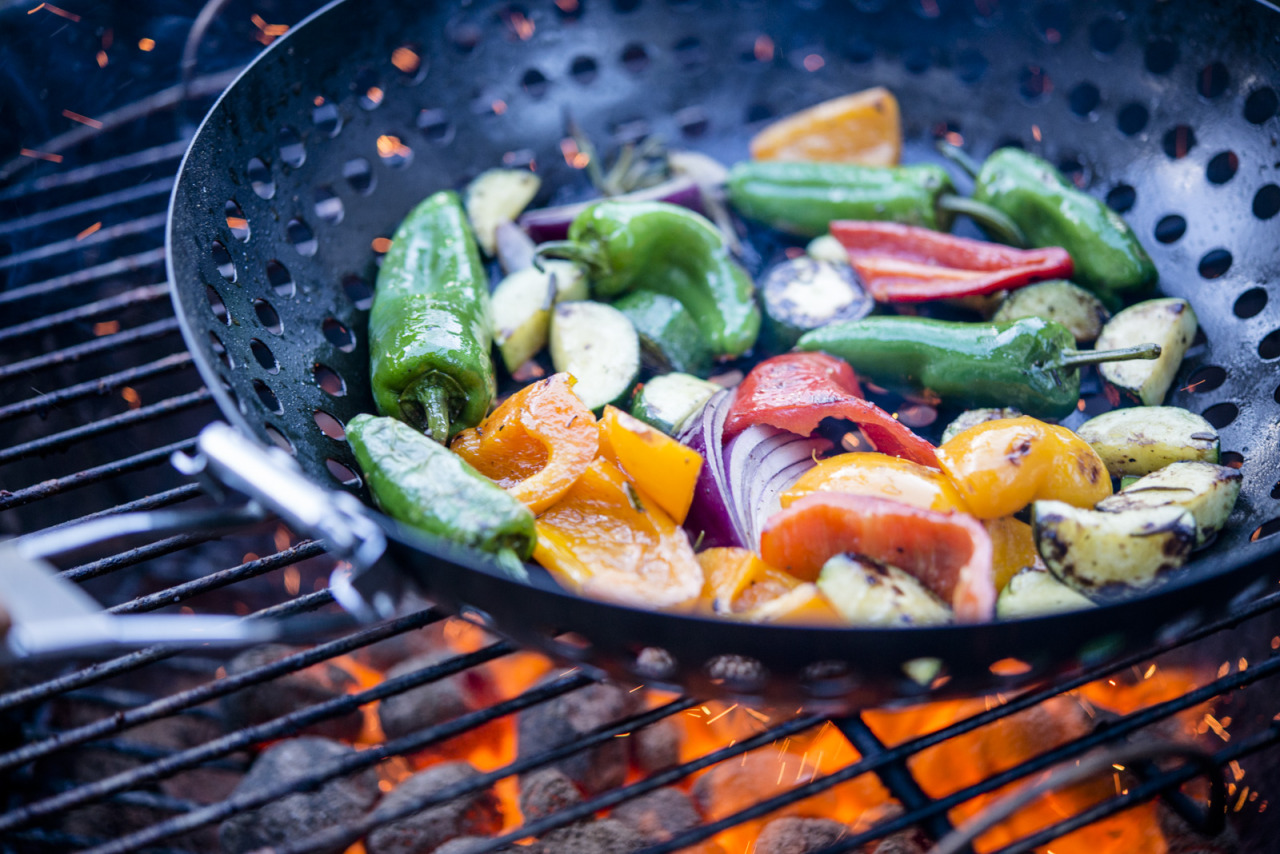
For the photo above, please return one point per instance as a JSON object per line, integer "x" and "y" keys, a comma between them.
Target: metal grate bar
{"x": 137, "y": 335}
{"x": 132, "y": 557}
{"x": 141, "y": 225}
{"x": 97, "y": 428}
{"x": 47, "y": 488}
{"x": 896, "y": 776}
{"x": 150, "y": 158}
{"x": 151, "y": 189}
{"x": 110, "y": 382}
{"x": 137, "y": 296}
{"x": 127, "y": 264}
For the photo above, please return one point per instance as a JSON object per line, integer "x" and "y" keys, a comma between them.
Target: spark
{"x": 760, "y": 716}
{"x": 1035, "y": 132}
{"x": 131, "y": 397}
{"x": 84, "y": 120}
{"x": 406, "y": 60}
{"x": 1192, "y": 386}
{"x": 1151, "y": 671}
{"x": 1236, "y": 770}
{"x": 1243, "y": 664}
{"x": 90, "y": 230}
{"x": 146, "y": 45}
{"x": 813, "y": 62}
{"x": 36, "y": 9}
{"x": 61, "y": 13}
{"x": 102, "y": 59}
{"x": 1224, "y": 669}
{"x": 106, "y": 327}
{"x": 817, "y": 763}
{"x": 804, "y": 760}
{"x": 292, "y": 580}
{"x": 1217, "y": 727}
{"x": 722, "y": 714}
{"x": 41, "y": 155}
{"x": 1244, "y": 793}
{"x": 782, "y": 770}
{"x": 1117, "y": 767}
{"x": 622, "y": 735}
{"x": 522, "y": 26}
{"x": 267, "y": 33}
{"x": 763, "y": 49}
{"x": 635, "y": 689}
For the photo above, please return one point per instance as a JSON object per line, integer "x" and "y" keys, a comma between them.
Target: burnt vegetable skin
{"x": 430, "y": 326}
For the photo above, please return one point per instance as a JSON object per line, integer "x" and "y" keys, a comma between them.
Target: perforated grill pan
{"x": 309, "y": 161}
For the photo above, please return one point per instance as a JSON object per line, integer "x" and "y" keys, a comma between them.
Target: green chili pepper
{"x": 427, "y": 486}
{"x": 1028, "y": 364}
{"x": 670, "y": 250}
{"x": 804, "y": 198}
{"x": 430, "y": 329}
{"x": 1051, "y": 211}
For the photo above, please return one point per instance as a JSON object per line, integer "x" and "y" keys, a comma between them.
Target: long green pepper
{"x": 430, "y": 326}
{"x": 1029, "y": 364}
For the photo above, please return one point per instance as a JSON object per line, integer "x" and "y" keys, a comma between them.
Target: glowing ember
{"x": 267, "y": 33}
{"x": 61, "y": 13}
{"x": 381, "y": 245}
{"x": 84, "y": 120}
{"x": 406, "y": 60}
{"x": 131, "y": 397}
{"x": 102, "y": 59}
{"x": 146, "y": 44}
{"x": 106, "y": 327}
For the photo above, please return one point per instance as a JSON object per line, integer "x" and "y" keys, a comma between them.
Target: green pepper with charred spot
{"x": 430, "y": 327}
{"x": 1029, "y": 364}
{"x": 660, "y": 247}
{"x": 425, "y": 485}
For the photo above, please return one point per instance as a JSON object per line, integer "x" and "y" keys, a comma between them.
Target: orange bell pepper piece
{"x": 536, "y": 444}
{"x": 739, "y": 584}
{"x": 662, "y": 468}
{"x": 1013, "y": 546}
{"x": 604, "y": 540}
{"x": 950, "y": 553}
{"x": 865, "y": 127}
{"x": 867, "y": 473}
{"x": 1002, "y": 466}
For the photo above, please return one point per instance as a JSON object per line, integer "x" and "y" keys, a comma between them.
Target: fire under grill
{"x": 423, "y": 732}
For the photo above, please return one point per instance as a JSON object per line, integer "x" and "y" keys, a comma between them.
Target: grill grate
{"x": 102, "y": 459}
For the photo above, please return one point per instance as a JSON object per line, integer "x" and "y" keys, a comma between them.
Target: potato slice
{"x": 1146, "y": 438}
{"x": 1169, "y": 322}
{"x": 1092, "y": 550}
{"x": 1035, "y": 591}
{"x": 1060, "y": 300}
{"x": 1207, "y": 490}
{"x": 866, "y": 593}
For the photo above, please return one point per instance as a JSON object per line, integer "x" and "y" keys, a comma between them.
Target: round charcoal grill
{"x": 303, "y": 169}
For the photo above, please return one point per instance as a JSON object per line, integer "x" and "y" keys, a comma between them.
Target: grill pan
{"x": 1166, "y": 109}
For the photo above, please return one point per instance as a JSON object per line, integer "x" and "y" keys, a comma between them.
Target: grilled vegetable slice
{"x": 867, "y": 593}
{"x": 972, "y": 417}
{"x": 1146, "y": 438}
{"x": 597, "y": 345}
{"x": 1092, "y": 550}
{"x": 666, "y": 402}
{"x": 669, "y": 336}
{"x": 1207, "y": 490}
{"x": 827, "y": 248}
{"x": 662, "y": 468}
{"x": 803, "y": 294}
{"x": 1168, "y": 322}
{"x": 1035, "y": 591}
{"x": 495, "y": 197}
{"x": 864, "y": 127}
{"x": 1060, "y": 300}
{"x": 522, "y": 308}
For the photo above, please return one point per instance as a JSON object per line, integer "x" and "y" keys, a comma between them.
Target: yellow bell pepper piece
{"x": 880, "y": 475}
{"x": 865, "y": 127}
{"x": 662, "y": 468}
{"x": 739, "y": 584}
{"x": 1013, "y": 546}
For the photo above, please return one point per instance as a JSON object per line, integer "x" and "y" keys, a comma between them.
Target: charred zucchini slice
{"x": 803, "y": 294}
{"x": 1146, "y": 438}
{"x": 866, "y": 593}
{"x": 597, "y": 344}
{"x": 669, "y": 336}
{"x": 666, "y": 402}
{"x": 1168, "y": 322}
{"x": 1034, "y": 591}
{"x": 1207, "y": 490}
{"x": 1060, "y": 300}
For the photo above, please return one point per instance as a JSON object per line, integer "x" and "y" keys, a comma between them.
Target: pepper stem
{"x": 425, "y": 405}
{"x": 993, "y": 221}
{"x": 568, "y": 250}
{"x": 1078, "y": 358}
{"x": 959, "y": 157}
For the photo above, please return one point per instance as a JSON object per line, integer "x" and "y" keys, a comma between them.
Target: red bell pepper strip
{"x": 907, "y": 263}
{"x": 950, "y": 553}
{"x": 795, "y": 391}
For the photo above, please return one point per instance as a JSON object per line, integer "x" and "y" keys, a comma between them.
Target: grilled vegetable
{"x": 1029, "y": 364}
{"x": 1035, "y": 591}
{"x": 1171, "y": 324}
{"x": 740, "y": 585}
{"x": 1060, "y": 300}
{"x": 666, "y": 402}
{"x": 669, "y": 336}
{"x": 999, "y": 467}
{"x": 866, "y": 473}
{"x": 803, "y": 294}
{"x": 1013, "y": 547}
{"x": 1209, "y": 491}
{"x": 1092, "y": 550}
{"x": 659, "y": 247}
{"x": 864, "y": 127}
{"x": 423, "y": 484}
{"x": 522, "y": 305}
{"x": 827, "y": 248}
{"x": 597, "y": 345}
{"x": 907, "y": 263}
{"x": 1143, "y": 439}
{"x": 495, "y": 197}
{"x": 971, "y": 417}
{"x": 866, "y": 593}
{"x": 662, "y": 468}
{"x": 430, "y": 325}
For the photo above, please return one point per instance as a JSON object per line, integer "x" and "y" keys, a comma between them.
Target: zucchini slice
{"x": 666, "y": 402}
{"x": 497, "y": 196}
{"x": 597, "y": 344}
{"x": 1209, "y": 491}
{"x": 1060, "y": 300}
{"x": 669, "y": 336}
{"x": 1092, "y": 550}
{"x": 1143, "y": 439}
{"x": 972, "y": 417}
{"x": 522, "y": 308}
{"x": 1171, "y": 323}
{"x": 867, "y": 593}
{"x": 1035, "y": 591}
{"x": 803, "y": 294}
